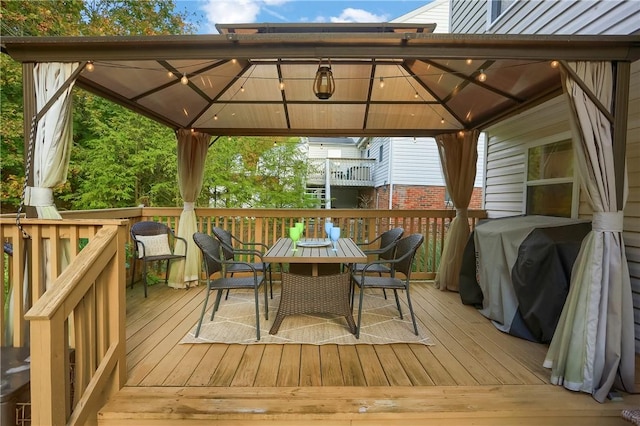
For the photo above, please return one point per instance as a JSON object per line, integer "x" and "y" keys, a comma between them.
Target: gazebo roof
{"x": 431, "y": 81}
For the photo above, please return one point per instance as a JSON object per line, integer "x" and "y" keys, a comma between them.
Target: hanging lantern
{"x": 323, "y": 85}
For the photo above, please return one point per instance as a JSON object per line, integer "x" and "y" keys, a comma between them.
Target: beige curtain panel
{"x": 592, "y": 349}
{"x": 192, "y": 154}
{"x": 458, "y": 157}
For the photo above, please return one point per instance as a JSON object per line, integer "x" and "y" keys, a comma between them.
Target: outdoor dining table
{"x": 315, "y": 292}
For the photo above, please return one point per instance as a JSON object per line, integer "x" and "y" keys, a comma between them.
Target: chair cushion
{"x": 154, "y": 245}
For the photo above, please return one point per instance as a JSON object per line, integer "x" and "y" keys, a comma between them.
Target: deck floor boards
{"x": 473, "y": 372}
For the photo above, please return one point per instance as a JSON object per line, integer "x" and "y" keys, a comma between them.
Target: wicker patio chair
{"x": 401, "y": 263}
{"x": 386, "y": 243}
{"x": 232, "y": 247}
{"x": 214, "y": 263}
{"x": 153, "y": 242}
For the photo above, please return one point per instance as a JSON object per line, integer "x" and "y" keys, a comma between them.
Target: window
{"x": 550, "y": 178}
{"x": 497, "y": 8}
{"x": 381, "y": 152}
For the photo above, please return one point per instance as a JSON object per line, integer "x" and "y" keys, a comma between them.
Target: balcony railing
{"x": 83, "y": 306}
{"x": 341, "y": 171}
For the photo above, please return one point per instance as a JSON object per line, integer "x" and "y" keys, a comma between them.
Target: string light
{"x": 281, "y": 84}
{"x": 469, "y": 61}
{"x": 482, "y": 76}
{"x": 242, "y": 89}
{"x": 170, "y": 74}
{"x": 415, "y": 96}
{"x": 184, "y": 80}
{"x": 381, "y": 82}
{"x": 442, "y": 121}
{"x": 90, "y": 66}
{"x": 275, "y": 143}
{"x": 215, "y": 117}
{"x": 555, "y": 64}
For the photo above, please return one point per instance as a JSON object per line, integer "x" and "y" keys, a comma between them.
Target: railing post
{"x": 327, "y": 184}
{"x": 48, "y": 382}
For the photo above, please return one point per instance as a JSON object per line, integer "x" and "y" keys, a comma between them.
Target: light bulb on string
{"x": 184, "y": 80}
{"x": 90, "y": 66}
{"x": 169, "y": 74}
{"x": 554, "y": 64}
{"x": 415, "y": 95}
{"x": 381, "y": 82}
{"x": 242, "y": 89}
{"x": 215, "y": 117}
{"x": 281, "y": 84}
{"x": 482, "y": 76}
{"x": 442, "y": 121}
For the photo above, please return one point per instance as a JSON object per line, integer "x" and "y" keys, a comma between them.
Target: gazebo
{"x": 368, "y": 80}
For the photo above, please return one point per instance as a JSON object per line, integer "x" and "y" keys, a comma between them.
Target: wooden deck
{"x": 474, "y": 374}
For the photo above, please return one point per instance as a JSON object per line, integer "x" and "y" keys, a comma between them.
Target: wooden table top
{"x": 348, "y": 252}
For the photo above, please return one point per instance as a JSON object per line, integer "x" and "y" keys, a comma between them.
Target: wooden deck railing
{"x": 341, "y": 171}
{"x": 77, "y": 326}
{"x": 267, "y": 225}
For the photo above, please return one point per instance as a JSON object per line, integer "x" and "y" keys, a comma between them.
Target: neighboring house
{"x": 402, "y": 182}
{"x": 513, "y": 144}
{"x": 340, "y": 173}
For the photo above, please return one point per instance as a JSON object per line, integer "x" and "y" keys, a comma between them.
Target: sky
{"x": 211, "y": 12}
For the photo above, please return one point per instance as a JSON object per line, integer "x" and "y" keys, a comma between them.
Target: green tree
{"x": 149, "y": 172}
{"x": 114, "y": 168}
{"x": 252, "y": 172}
{"x": 280, "y": 178}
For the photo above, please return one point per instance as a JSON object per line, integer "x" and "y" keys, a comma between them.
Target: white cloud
{"x": 358, "y": 15}
{"x": 237, "y": 11}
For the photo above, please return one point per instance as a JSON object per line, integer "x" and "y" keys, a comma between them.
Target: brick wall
{"x": 415, "y": 197}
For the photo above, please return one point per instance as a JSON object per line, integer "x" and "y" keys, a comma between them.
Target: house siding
{"x": 381, "y": 171}
{"x": 316, "y": 151}
{"x": 507, "y": 145}
{"x": 569, "y": 17}
{"x": 632, "y": 209}
{"x": 416, "y": 162}
{"x": 507, "y": 141}
{"x": 437, "y": 12}
{"x": 468, "y": 17}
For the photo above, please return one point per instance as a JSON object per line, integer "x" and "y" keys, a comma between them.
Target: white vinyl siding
{"x": 569, "y": 17}
{"x": 317, "y": 151}
{"x": 507, "y": 144}
{"x": 632, "y": 209}
{"x": 416, "y": 163}
{"x": 436, "y": 12}
{"x": 381, "y": 171}
{"x": 548, "y": 17}
{"x": 468, "y": 17}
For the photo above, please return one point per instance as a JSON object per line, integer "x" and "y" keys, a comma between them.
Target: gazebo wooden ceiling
{"x": 431, "y": 81}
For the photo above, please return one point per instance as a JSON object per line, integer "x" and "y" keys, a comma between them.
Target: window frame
{"x": 496, "y": 9}
{"x": 573, "y": 179}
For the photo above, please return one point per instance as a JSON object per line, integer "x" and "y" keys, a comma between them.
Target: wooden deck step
{"x": 502, "y": 405}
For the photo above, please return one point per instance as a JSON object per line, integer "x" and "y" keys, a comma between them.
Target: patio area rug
{"x": 235, "y": 323}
